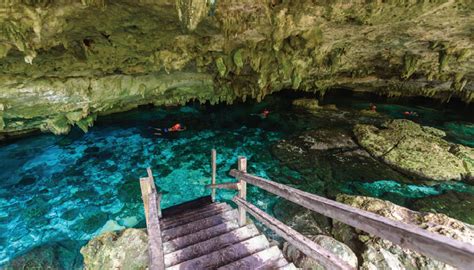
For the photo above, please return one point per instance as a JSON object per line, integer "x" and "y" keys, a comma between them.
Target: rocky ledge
{"x": 416, "y": 150}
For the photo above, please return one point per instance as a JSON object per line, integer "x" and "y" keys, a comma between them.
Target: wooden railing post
{"x": 242, "y": 167}
{"x": 151, "y": 180}
{"x": 213, "y": 179}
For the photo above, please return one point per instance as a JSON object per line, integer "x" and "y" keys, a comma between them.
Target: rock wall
{"x": 89, "y": 57}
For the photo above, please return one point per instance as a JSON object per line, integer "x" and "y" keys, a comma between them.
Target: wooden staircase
{"x": 204, "y": 234}
{"x": 209, "y": 237}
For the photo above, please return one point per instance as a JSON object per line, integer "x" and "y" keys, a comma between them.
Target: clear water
{"x": 55, "y": 189}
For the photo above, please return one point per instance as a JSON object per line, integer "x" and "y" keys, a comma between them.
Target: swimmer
{"x": 372, "y": 107}
{"x": 175, "y": 128}
{"x": 265, "y": 113}
{"x": 410, "y": 114}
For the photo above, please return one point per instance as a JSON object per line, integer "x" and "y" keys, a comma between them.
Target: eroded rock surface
{"x": 382, "y": 254}
{"x": 339, "y": 249}
{"x": 127, "y": 249}
{"x": 417, "y": 150}
{"x": 63, "y": 62}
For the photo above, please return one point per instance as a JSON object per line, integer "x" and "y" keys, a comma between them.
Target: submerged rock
{"x": 377, "y": 253}
{"x": 60, "y": 255}
{"x": 328, "y": 156}
{"x": 127, "y": 249}
{"x": 417, "y": 150}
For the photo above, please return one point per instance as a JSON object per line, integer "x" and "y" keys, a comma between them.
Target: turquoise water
{"x": 58, "y": 189}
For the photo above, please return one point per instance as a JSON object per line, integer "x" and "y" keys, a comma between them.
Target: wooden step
{"x": 289, "y": 266}
{"x": 199, "y": 224}
{"x": 270, "y": 258}
{"x": 186, "y": 206}
{"x": 174, "y": 222}
{"x": 202, "y": 235}
{"x": 226, "y": 255}
{"x": 210, "y": 245}
{"x": 195, "y": 210}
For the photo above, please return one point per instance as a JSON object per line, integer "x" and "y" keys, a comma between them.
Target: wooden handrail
{"x": 155, "y": 243}
{"x": 234, "y": 186}
{"x": 439, "y": 247}
{"x": 213, "y": 174}
{"x": 152, "y": 206}
{"x": 308, "y": 247}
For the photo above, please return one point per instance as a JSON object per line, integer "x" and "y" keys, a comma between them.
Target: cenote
{"x": 63, "y": 190}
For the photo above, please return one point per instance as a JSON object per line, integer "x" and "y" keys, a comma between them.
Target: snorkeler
{"x": 410, "y": 114}
{"x": 175, "y": 128}
{"x": 372, "y": 107}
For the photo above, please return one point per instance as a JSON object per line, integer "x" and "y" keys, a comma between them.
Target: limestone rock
{"x": 127, "y": 249}
{"x": 306, "y": 103}
{"x": 341, "y": 250}
{"x": 61, "y": 255}
{"x": 458, "y": 205}
{"x": 382, "y": 254}
{"x": 59, "y": 57}
{"x": 416, "y": 150}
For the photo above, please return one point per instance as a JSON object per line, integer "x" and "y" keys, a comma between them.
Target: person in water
{"x": 175, "y": 128}
{"x": 265, "y": 113}
{"x": 410, "y": 114}
{"x": 372, "y": 107}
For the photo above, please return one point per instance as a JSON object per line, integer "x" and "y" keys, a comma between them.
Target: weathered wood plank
{"x": 439, "y": 247}
{"x": 145, "y": 189}
{"x": 155, "y": 244}
{"x": 308, "y": 247}
{"x": 175, "y": 222}
{"x": 213, "y": 179}
{"x": 242, "y": 167}
{"x": 211, "y": 245}
{"x": 234, "y": 186}
{"x": 270, "y": 258}
{"x": 226, "y": 255}
{"x": 198, "y": 225}
{"x": 202, "y": 235}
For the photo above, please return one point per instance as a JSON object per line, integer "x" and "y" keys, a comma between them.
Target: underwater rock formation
{"x": 325, "y": 156}
{"x": 60, "y": 255}
{"x": 64, "y": 61}
{"x": 417, "y": 150}
{"x": 127, "y": 249}
{"x": 382, "y": 254}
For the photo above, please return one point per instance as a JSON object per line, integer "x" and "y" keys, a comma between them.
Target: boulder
{"x": 341, "y": 250}
{"x": 417, "y": 151}
{"x": 382, "y": 254}
{"x": 307, "y": 103}
{"x": 127, "y": 249}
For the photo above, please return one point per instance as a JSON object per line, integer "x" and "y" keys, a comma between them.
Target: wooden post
{"x": 155, "y": 243}
{"x": 242, "y": 166}
{"x": 146, "y": 190}
{"x": 213, "y": 179}
{"x": 151, "y": 179}
{"x": 147, "y": 185}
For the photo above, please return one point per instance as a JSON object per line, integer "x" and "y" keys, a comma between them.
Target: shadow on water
{"x": 56, "y": 189}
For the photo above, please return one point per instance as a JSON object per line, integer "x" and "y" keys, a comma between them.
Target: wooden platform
{"x": 209, "y": 237}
